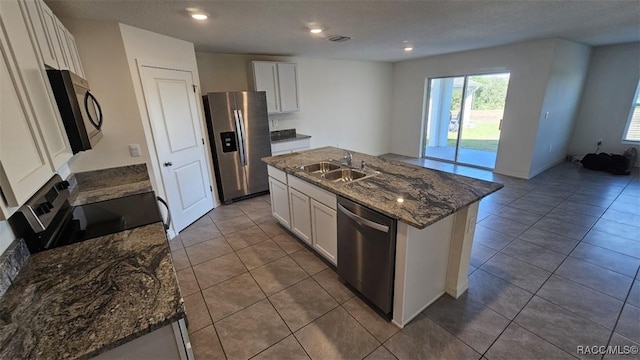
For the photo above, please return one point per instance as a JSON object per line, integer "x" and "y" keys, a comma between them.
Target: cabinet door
{"x": 265, "y": 76}
{"x": 43, "y": 39}
{"x": 300, "y": 215}
{"x": 61, "y": 33}
{"x": 38, "y": 97}
{"x": 23, "y": 164}
{"x": 280, "y": 202}
{"x": 51, "y": 28}
{"x": 325, "y": 231}
{"x": 288, "y": 86}
{"x": 74, "y": 55}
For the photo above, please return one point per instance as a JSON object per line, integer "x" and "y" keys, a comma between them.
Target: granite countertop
{"x": 279, "y": 136}
{"x": 427, "y": 195}
{"x": 80, "y": 300}
{"x": 99, "y": 185}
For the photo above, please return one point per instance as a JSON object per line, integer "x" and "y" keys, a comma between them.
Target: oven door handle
{"x": 167, "y": 224}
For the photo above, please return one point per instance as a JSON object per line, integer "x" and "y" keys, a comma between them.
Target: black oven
{"x": 47, "y": 220}
{"x": 80, "y": 110}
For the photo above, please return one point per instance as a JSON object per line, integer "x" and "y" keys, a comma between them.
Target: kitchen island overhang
{"x": 436, "y": 214}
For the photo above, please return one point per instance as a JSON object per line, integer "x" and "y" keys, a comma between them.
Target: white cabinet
{"x": 325, "y": 232}
{"x": 300, "y": 215}
{"x": 21, "y": 43}
{"x": 280, "y": 202}
{"x": 54, "y": 42}
{"x": 23, "y": 163}
{"x": 288, "y": 86}
{"x": 280, "y": 81}
{"x": 307, "y": 210}
{"x": 285, "y": 147}
{"x": 42, "y": 33}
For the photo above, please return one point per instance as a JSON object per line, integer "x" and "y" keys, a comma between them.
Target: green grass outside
{"x": 482, "y": 136}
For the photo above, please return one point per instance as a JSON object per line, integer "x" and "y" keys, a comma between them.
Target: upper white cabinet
{"x": 24, "y": 166}
{"x": 280, "y": 81}
{"x": 43, "y": 25}
{"x": 22, "y": 44}
{"x": 53, "y": 41}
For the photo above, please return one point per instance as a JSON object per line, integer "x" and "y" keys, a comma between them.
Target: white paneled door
{"x": 177, "y": 133}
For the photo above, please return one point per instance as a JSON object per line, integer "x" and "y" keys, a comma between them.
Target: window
{"x": 632, "y": 131}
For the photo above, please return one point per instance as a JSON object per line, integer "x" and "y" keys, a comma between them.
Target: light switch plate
{"x": 134, "y": 150}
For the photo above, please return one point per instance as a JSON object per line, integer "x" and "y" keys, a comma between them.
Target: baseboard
{"x": 536, "y": 172}
{"x": 512, "y": 174}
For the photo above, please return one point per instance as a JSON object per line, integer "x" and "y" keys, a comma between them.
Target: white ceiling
{"x": 378, "y": 28}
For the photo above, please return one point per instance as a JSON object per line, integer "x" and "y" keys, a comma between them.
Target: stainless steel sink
{"x": 344, "y": 175}
{"x": 320, "y": 167}
{"x": 334, "y": 171}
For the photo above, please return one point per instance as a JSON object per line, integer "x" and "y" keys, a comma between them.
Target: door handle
{"x": 167, "y": 224}
{"x": 240, "y": 136}
{"x": 362, "y": 221}
{"x": 167, "y": 164}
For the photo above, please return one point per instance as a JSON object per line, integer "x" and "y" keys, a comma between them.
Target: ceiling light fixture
{"x": 408, "y": 48}
{"x": 315, "y": 31}
{"x": 197, "y": 14}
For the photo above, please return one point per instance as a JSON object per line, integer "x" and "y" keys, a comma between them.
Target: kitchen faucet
{"x": 348, "y": 158}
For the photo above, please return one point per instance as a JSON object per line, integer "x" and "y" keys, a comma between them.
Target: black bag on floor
{"x": 615, "y": 164}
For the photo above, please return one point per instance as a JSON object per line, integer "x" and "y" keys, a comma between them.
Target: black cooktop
{"x": 103, "y": 218}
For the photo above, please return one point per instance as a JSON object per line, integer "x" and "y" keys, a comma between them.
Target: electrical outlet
{"x": 546, "y": 115}
{"x": 550, "y": 147}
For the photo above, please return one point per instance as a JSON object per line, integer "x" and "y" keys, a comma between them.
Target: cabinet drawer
{"x": 313, "y": 192}
{"x": 288, "y": 146}
{"x": 277, "y": 174}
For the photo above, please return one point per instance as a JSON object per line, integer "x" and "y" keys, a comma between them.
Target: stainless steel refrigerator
{"x": 238, "y": 129}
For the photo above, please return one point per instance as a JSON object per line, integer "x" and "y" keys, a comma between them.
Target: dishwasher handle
{"x": 362, "y": 221}
{"x": 167, "y": 224}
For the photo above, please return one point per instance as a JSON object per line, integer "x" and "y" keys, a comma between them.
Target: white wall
{"x": 151, "y": 48}
{"x": 105, "y": 64}
{"x": 562, "y": 97}
{"x": 342, "y": 103}
{"x": 529, "y": 64}
{"x": 611, "y": 83}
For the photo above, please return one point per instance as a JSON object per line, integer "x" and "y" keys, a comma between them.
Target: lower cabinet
{"x": 307, "y": 210}
{"x": 280, "y": 202}
{"x": 325, "y": 233}
{"x": 300, "y": 215}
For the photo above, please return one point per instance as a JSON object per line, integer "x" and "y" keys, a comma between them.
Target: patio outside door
{"x": 464, "y": 118}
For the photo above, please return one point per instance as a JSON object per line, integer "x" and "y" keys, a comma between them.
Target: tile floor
{"x": 554, "y": 266}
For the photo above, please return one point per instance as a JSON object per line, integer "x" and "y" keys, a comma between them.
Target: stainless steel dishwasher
{"x": 366, "y": 252}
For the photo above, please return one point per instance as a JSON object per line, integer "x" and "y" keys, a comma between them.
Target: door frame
{"x": 426, "y": 109}
{"x": 157, "y": 180}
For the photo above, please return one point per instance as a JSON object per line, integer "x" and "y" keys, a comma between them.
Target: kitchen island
{"x": 435, "y": 212}
{"x": 113, "y": 296}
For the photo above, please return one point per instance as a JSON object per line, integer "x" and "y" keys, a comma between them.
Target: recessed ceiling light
{"x": 199, "y": 16}
{"x": 315, "y": 31}
{"x": 408, "y": 48}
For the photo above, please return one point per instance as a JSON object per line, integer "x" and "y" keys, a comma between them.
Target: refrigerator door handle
{"x": 240, "y": 136}
{"x": 244, "y": 137}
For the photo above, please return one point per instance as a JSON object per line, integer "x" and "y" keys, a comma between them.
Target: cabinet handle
{"x": 167, "y": 164}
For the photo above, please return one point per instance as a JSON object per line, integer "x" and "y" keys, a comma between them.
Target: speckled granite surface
{"x": 428, "y": 195}
{"x": 80, "y": 300}
{"x": 11, "y": 261}
{"x": 106, "y": 184}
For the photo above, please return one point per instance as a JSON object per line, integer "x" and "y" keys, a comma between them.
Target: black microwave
{"x": 80, "y": 110}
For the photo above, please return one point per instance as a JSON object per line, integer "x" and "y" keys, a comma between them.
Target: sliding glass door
{"x": 464, "y": 118}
